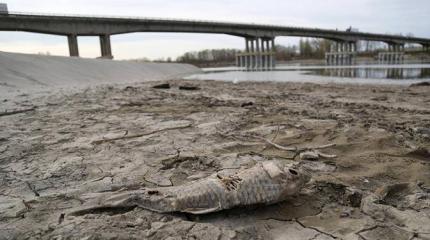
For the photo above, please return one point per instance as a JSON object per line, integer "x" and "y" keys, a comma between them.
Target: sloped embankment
{"x": 25, "y": 72}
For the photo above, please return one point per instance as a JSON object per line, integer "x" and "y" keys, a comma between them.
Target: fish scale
{"x": 265, "y": 183}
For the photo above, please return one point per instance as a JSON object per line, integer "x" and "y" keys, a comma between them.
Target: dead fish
{"x": 266, "y": 183}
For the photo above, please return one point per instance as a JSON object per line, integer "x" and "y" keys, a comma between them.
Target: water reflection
{"x": 376, "y": 73}
{"x": 404, "y": 74}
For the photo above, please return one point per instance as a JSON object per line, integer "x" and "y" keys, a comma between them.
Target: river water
{"x": 401, "y": 74}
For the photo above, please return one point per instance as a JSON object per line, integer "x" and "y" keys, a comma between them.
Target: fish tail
{"x": 117, "y": 201}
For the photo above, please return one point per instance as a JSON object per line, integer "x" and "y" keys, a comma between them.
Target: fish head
{"x": 297, "y": 176}
{"x": 294, "y": 180}
{"x": 289, "y": 177}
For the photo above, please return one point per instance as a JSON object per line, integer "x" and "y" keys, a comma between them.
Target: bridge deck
{"x": 98, "y": 25}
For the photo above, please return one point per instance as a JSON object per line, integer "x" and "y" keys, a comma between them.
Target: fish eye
{"x": 293, "y": 172}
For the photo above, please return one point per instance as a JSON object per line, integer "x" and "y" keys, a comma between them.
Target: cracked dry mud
{"x": 75, "y": 145}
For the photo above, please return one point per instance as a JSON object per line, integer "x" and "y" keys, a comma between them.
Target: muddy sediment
{"x": 58, "y": 150}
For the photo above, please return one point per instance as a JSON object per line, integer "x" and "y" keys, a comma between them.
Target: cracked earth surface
{"x": 107, "y": 139}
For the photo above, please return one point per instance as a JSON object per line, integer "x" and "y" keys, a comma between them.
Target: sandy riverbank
{"x": 64, "y": 147}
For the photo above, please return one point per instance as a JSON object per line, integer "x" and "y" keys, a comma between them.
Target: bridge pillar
{"x": 252, "y": 56}
{"x": 73, "y": 45}
{"x": 263, "y": 54}
{"x": 259, "y": 54}
{"x": 247, "y": 57}
{"x": 350, "y": 51}
{"x": 341, "y": 53}
{"x": 105, "y": 47}
{"x": 273, "y": 53}
{"x": 394, "y": 55}
{"x": 270, "y": 53}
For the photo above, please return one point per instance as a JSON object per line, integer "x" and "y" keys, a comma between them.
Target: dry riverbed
{"x": 57, "y": 149}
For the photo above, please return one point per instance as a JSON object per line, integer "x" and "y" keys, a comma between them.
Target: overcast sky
{"x": 380, "y": 16}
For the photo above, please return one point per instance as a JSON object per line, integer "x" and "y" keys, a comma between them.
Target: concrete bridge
{"x": 259, "y": 39}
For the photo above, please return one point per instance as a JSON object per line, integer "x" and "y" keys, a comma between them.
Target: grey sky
{"x": 385, "y": 16}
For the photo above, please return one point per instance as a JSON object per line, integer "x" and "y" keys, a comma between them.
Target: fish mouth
{"x": 298, "y": 174}
{"x": 298, "y": 170}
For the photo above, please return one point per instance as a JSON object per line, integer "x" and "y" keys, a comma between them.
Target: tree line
{"x": 209, "y": 57}
{"x": 305, "y": 49}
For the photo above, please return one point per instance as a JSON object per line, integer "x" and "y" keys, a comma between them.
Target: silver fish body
{"x": 265, "y": 183}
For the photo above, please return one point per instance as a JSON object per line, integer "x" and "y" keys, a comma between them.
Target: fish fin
{"x": 201, "y": 210}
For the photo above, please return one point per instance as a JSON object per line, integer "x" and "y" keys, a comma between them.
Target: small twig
{"x": 102, "y": 177}
{"x": 101, "y": 170}
{"x": 273, "y": 139}
{"x": 295, "y": 149}
{"x": 290, "y": 149}
{"x": 298, "y": 151}
{"x": 277, "y": 133}
{"x": 323, "y": 146}
{"x": 328, "y": 156}
{"x": 138, "y": 135}
{"x": 8, "y": 113}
